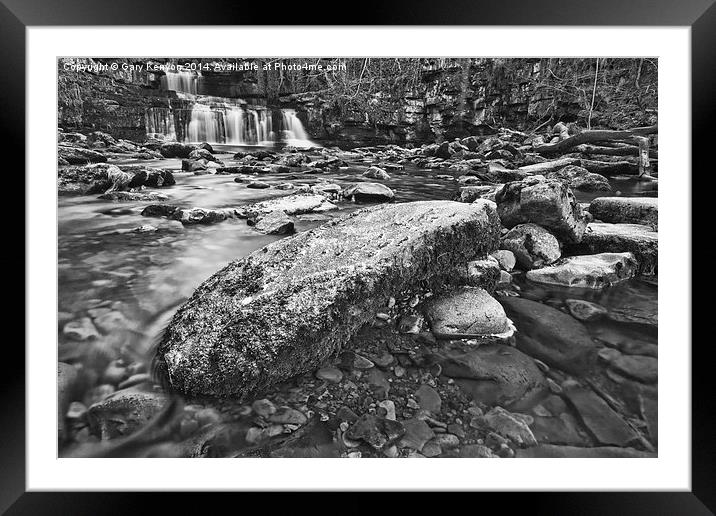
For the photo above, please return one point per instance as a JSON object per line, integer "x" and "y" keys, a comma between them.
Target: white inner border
{"x": 671, "y": 470}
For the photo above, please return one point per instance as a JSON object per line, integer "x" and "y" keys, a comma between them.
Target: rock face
{"x": 587, "y": 271}
{"x": 637, "y": 239}
{"x": 532, "y": 245}
{"x": 630, "y": 210}
{"x": 286, "y": 308}
{"x": 548, "y": 203}
{"x": 549, "y": 334}
{"x": 467, "y": 311}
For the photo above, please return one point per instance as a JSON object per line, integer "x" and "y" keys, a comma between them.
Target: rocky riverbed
{"x": 459, "y": 299}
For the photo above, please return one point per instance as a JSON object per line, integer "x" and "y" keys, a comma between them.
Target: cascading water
{"x": 200, "y": 118}
{"x": 294, "y": 133}
{"x": 181, "y": 82}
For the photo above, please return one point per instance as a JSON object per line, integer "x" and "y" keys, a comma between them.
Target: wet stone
{"x": 428, "y": 399}
{"x": 375, "y": 431}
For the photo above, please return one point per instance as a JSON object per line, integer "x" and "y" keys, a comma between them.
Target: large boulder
{"x": 92, "y": 179}
{"x": 630, "y": 210}
{"x": 548, "y": 203}
{"x": 284, "y": 309}
{"x": 275, "y": 223}
{"x": 467, "y": 311}
{"x": 532, "y": 245}
{"x": 640, "y": 240}
{"x": 189, "y": 216}
{"x": 151, "y": 177}
{"x": 368, "y": 192}
{"x": 587, "y": 271}
{"x": 554, "y": 337}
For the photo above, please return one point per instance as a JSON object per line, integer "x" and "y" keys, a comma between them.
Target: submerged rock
{"x": 286, "y": 308}
{"x": 495, "y": 374}
{"x": 587, "y": 271}
{"x": 549, "y": 334}
{"x": 585, "y": 310}
{"x": 190, "y": 216}
{"x": 532, "y": 246}
{"x": 123, "y": 412}
{"x": 630, "y": 210}
{"x": 606, "y": 426}
{"x": 640, "y": 240}
{"x": 548, "y": 203}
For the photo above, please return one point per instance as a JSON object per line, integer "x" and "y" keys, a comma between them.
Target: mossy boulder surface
{"x": 285, "y": 308}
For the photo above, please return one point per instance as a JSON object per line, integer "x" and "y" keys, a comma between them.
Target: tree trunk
{"x": 599, "y": 135}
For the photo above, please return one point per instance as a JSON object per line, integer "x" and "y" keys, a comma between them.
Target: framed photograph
{"x": 274, "y": 247}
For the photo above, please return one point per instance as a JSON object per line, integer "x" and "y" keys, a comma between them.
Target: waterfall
{"x": 223, "y": 122}
{"x": 181, "y": 82}
{"x": 205, "y": 125}
{"x": 160, "y": 123}
{"x": 293, "y": 131}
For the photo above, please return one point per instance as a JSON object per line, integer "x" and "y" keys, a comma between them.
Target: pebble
{"x": 80, "y": 329}
{"x": 389, "y": 407}
{"x": 428, "y": 399}
{"x": 585, "y": 310}
{"x": 446, "y": 441}
{"x": 263, "y": 407}
{"x": 553, "y": 386}
{"x": 431, "y": 449}
{"x": 399, "y": 371}
{"x": 383, "y": 360}
{"x": 346, "y": 414}
{"x": 457, "y": 430}
{"x": 391, "y": 451}
{"x": 115, "y": 373}
{"x": 329, "y": 374}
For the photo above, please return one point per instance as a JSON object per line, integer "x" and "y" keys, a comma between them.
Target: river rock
{"x": 275, "y": 223}
{"x": 376, "y": 173}
{"x": 295, "y": 204}
{"x": 188, "y": 216}
{"x": 550, "y": 335}
{"x": 642, "y": 368}
{"x": 79, "y": 156}
{"x": 513, "y": 426}
{"x": 468, "y": 310}
{"x": 284, "y": 309}
{"x": 532, "y": 245}
{"x": 133, "y": 196}
{"x": 495, "y": 374}
{"x": 484, "y": 273}
{"x": 257, "y": 185}
{"x": 417, "y": 433}
{"x": 554, "y": 423}
{"x": 506, "y": 259}
{"x": 585, "y": 310}
{"x": 548, "y": 203}
{"x": 588, "y": 271}
{"x": 428, "y": 399}
{"x": 176, "y": 150}
{"x": 151, "y": 177}
{"x": 630, "y": 210}
{"x": 80, "y": 329}
{"x": 606, "y": 426}
{"x": 375, "y": 431}
{"x": 92, "y": 179}
{"x": 193, "y": 165}
{"x": 638, "y": 239}
{"x": 582, "y": 179}
{"x": 124, "y": 412}
{"x": 368, "y": 192}
{"x": 159, "y": 210}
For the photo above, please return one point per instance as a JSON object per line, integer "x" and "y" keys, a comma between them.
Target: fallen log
{"x": 594, "y": 136}
{"x": 610, "y": 168}
{"x": 622, "y": 150}
{"x": 286, "y": 308}
{"x": 549, "y": 166}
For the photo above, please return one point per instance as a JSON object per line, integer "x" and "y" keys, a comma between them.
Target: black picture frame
{"x": 17, "y": 15}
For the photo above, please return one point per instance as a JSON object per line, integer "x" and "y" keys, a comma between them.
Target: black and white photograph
{"x": 357, "y": 257}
